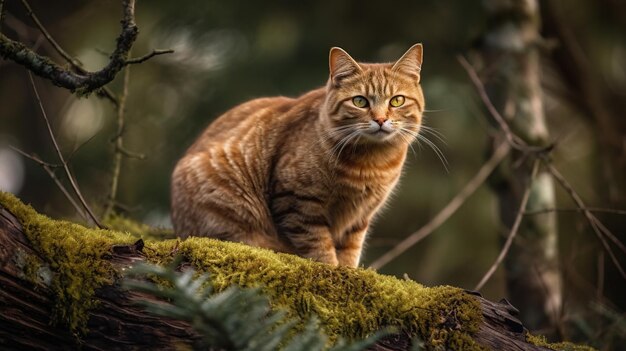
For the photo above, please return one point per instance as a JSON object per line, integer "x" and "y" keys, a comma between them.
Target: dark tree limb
{"x": 78, "y": 79}
{"x": 76, "y": 64}
{"x": 117, "y": 323}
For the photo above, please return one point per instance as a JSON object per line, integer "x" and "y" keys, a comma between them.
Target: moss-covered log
{"x": 59, "y": 289}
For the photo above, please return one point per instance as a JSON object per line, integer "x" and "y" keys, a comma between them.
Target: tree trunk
{"x": 510, "y": 59}
{"x": 117, "y": 323}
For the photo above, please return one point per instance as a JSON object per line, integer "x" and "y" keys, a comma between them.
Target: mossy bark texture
{"x": 59, "y": 289}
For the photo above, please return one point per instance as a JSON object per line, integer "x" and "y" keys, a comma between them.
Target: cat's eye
{"x": 359, "y": 101}
{"x": 397, "y": 101}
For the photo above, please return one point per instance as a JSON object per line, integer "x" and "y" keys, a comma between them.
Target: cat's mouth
{"x": 379, "y": 135}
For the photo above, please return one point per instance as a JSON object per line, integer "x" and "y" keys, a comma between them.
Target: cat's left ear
{"x": 341, "y": 65}
{"x": 411, "y": 62}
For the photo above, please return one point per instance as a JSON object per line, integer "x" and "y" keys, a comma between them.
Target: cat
{"x": 305, "y": 175}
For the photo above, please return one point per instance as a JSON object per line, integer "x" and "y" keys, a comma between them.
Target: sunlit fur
{"x": 305, "y": 175}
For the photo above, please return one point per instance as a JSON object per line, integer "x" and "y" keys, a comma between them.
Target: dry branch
{"x": 78, "y": 79}
{"x": 598, "y": 227}
{"x": 119, "y": 144}
{"x": 542, "y": 153}
{"x": 76, "y": 65}
{"x": 512, "y": 233}
{"x": 500, "y": 152}
{"x": 69, "y": 175}
{"x": 49, "y": 168}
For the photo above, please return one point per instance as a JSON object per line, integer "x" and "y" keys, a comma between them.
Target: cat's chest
{"x": 350, "y": 204}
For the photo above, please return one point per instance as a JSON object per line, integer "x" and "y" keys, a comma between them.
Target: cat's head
{"x": 369, "y": 103}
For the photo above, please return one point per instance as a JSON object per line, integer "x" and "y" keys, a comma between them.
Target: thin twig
{"x": 61, "y": 158}
{"x": 131, "y": 154}
{"x": 77, "y": 82}
{"x": 610, "y": 235}
{"x": 75, "y": 150}
{"x": 599, "y": 229}
{"x": 143, "y": 58}
{"x": 71, "y": 60}
{"x": 515, "y": 141}
{"x": 498, "y": 155}
{"x": 119, "y": 144}
{"x": 593, "y": 221}
{"x": 512, "y": 233}
{"x": 590, "y": 209}
{"x": 49, "y": 168}
{"x": 76, "y": 64}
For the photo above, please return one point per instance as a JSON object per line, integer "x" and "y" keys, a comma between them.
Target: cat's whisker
{"x": 433, "y": 146}
{"x": 432, "y": 129}
{"x": 342, "y": 144}
{"x": 341, "y": 140}
{"x": 438, "y": 152}
{"x": 407, "y": 140}
{"x": 336, "y": 133}
{"x": 435, "y": 134}
{"x": 342, "y": 130}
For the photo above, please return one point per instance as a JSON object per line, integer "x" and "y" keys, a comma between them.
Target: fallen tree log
{"x": 60, "y": 290}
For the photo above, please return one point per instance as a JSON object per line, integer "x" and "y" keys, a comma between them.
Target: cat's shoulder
{"x": 280, "y": 102}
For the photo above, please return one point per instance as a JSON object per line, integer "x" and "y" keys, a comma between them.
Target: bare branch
{"x": 515, "y": 141}
{"x": 61, "y": 158}
{"x": 82, "y": 83}
{"x": 590, "y": 209}
{"x": 500, "y": 152}
{"x": 609, "y": 234}
{"x": 75, "y": 150}
{"x": 512, "y": 233}
{"x": 131, "y": 154}
{"x": 146, "y": 57}
{"x": 599, "y": 230}
{"x": 74, "y": 62}
{"x": 49, "y": 168}
{"x": 119, "y": 143}
{"x": 76, "y": 65}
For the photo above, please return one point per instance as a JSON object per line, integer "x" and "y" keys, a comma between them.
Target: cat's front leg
{"x": 301, "y": 218}
{"x": 316, "y": 244}
{"x": 350, "y": 245}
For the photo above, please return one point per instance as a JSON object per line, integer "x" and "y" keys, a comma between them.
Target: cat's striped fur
{"x": 303, "y": 175}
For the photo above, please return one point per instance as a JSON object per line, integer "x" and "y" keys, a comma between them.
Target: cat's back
{"x": 241, "y": 118}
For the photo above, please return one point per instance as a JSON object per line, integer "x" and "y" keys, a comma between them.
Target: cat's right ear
{"x": 341, "y": 65}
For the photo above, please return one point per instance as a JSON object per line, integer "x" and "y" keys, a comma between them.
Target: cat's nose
{"x": 380, "y": 120}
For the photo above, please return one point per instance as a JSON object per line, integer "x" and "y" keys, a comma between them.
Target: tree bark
{"x": 118, "y": 324}
{"x": 509, "y": 54}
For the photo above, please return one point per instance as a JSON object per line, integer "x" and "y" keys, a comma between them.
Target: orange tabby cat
{"x": 304, "y": 175}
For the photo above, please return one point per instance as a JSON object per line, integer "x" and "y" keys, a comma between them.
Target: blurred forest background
{"x": 228, "y": 52}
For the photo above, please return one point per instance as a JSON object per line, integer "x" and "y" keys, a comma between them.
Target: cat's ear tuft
{"x": 341, "y": 65}
{"x": 411, "y": 62}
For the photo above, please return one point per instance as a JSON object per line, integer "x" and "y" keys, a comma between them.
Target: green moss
{"x": 352, "y": 303}
{"x": 349, "y": 302}
{"x": 540, "y": 340}
{"x": 73, "y": 254}
{"x": 140, "y": 230}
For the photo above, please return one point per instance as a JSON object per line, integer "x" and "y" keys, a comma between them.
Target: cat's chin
{"x": 379, "y": 136}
